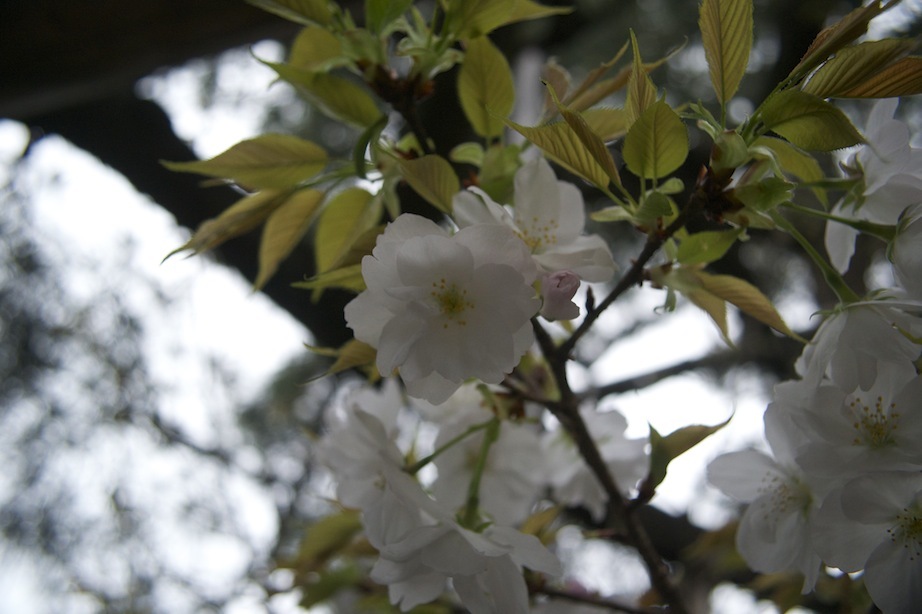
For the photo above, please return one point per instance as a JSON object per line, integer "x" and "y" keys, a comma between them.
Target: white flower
{"x": 356, "y": 449}
{"x": 875, "y": 522}
{"x": 892, "y": 180}
{"x": 445, "y": 308}
{"x": 853, "y": 431}
{"x": 571, "y": 479}
{"x": 549, "y": 216}
{"x": 774, "y": 531}
{"x": 421, "y": 547}
{"x": 512, "y": 473}
{"x": 906, "y": 253}
{"x": 854, "y": 343}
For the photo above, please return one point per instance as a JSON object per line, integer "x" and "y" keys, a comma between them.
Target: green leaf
{"x": 284, "y": 228}
{"x": 560, "y": 143}
{"x": 469, "y": 19}
{"x": 726, "y": 32}
{"x": 746, "y": 297}
{"x": 467, "y": 153}
{"x": 609, "y": 123}
{"x": 500, "y": 162}
{"x": 267, "y": 161}
{"x": 380, "y": 13}
{"x": 902, "y": 78}
{"x": 345, "y": 218}
{"x": 590, "y": 140}
{"x": 335, "y": 96}
{"x": 766, "y": 194}
{"x": 686, "y": 281}
{"x": 525, "y": 10}
{"x": 244, "y": 215}
{"x": 853, "y": 66}
{"x": 325, "y": 538}
{"x": 325, "y": 583}
{"x": 347, "y": 278}
{"x": 352, "y": 354}
{"x": 838, "y": 35}
{"x": 641, "y": 93}
{"x": 707, "y": 246}
{"x": 485, "y": 87}
{"x": 653, "y": 207}
{"x": 657, "y": 143}
{"x": 433, "y": 178}
{"x": 305, "y": 12}
{"x": 616, "y": 213}
{"x": 316, "y": 49}
{"x": 663, "y": 450}
{"x": 808, "y": 121}
{"x": 790, "y": 159}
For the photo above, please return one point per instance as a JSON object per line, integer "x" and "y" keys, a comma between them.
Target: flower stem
{"x": 415, "y": 467}
{"x": 883, "y": 232}
{"x": 471, "y": 517}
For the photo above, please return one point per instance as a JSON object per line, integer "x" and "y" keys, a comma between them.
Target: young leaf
{"x": 344, "y": 219}
{"x": 641, "y": 93}
{"x": 485, "y": 87}
{"x": 335, "y": 96}
{"x": 380, "y": 13}
{"x": 707, "y": 246}
{"x": 352, "y": 354}
{"x": 726, "y": 32}
{"x": 525, "y": 10}
{"x": 283, "y": 230}
{"x": 590, "y": 140}
{"x": 609, "y": 123}
{"x": 746, "y": 297}
{"x": 559, "y": 142}
{"x": 347, "y": 278}
{"x": 433, "y": 178}
{"x": 657, "y": 143}
{"x": 765, "y": 195}
{"x": 244, "y": 215}
{"x": 791, "y": 159}
{"x": 267, "y": 161}
{"x": 316, "y": 49}
{"x": 472, "y": 18}
{"x": 305, "y": 12}
{"x": 853, "y": 66}
{"x": 665, "y": 449}
{"x": 902, "y": 78}
{"x": 325, "y": 538}
{"x": 809, "y": 122}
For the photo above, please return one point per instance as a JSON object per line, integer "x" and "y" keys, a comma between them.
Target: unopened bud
{"x": 558, "y": 290}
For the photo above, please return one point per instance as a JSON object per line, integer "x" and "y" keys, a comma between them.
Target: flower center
{"x": 452, "y": 302}
{"x": 536, "y": 235}
{"x": 787, "y": 496}
{"x": 908, "y": 532}
{"x": 875, "y": 426}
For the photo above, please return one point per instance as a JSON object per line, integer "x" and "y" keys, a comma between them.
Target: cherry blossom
{"x": 891, "y": 180}
{"x": 874, "y": 522}
{"x": 549, "y": 216}
{"x": 572, "y": 481}
{"x": 443, "y": 308}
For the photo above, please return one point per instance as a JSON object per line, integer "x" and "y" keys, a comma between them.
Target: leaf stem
{"x": 418, "y": 465}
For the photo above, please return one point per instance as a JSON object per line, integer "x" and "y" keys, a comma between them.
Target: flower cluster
{"x": 842, "y": 485}
{"x": 426, "y": 537}
{"x": 442, "y": 308}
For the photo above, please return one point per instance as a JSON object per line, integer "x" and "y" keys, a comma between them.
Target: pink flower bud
{"x": 557, "y": 290}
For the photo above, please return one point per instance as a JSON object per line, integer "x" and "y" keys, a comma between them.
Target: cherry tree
{"x": 471, "y": 443}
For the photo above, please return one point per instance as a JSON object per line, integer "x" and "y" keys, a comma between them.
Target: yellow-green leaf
{"x": 590, "y": 140}
{"x": 853, "y": 66}
{"x": 347, "y": 278}
{"x": 641, "y": 93}
{"x": 485, "y": 87}
{"x": 267, "y": 161}
{"x": 379, "y": 14}
{"x": 352, "y": 354}
{"x": 304, "y": 12}
{"x": 344, "y": 219}
{"x": 902, "y": 78}
{"x": 706, "y": 246}
{"x": 335, "y": 96}
{"x": 525, "y": 10}
{"x": 244, "y": 215}
{"x": 609, "y": 123}
{"x": 473, "y": 18}
{"x": 325, "y": 538}
{"x": 715, "y": 307}
{"x": 726, "y": 32}
{"x": 790, "y": 158}
{"x": 561, "y": 144}
{"x": 666, "y": 449}
{"x": 808, "y": 121}
{"x": 284, "y": 228}
{"x": 316, "y": 49}
{"x": 657, "y": 143}
{"x": 433, "y": 178}
{"x": 746, "y": 297}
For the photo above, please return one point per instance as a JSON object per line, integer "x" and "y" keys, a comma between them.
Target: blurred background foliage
{"x": 109, "y": 500}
